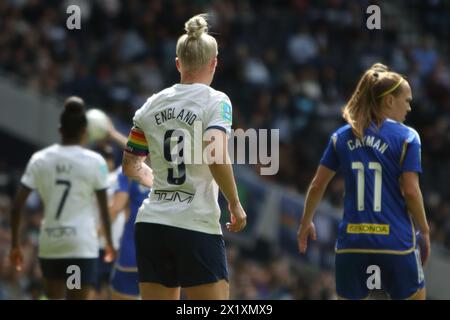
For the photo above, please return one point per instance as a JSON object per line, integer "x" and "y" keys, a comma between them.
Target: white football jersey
{"x": 183, "y": 195}
{"x": 66, "y": 178}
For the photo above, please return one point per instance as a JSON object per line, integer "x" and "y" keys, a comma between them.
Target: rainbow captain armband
{"x": 137, "y": 144}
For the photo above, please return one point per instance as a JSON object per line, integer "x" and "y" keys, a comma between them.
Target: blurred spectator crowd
{"x": 286, "y": 64}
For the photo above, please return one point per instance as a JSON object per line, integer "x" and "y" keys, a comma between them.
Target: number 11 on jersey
{"x": 360, "y": 184}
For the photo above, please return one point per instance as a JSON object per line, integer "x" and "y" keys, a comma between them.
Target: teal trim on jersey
{"x": 104, "y": 170}
{"x": 226, "y": 112}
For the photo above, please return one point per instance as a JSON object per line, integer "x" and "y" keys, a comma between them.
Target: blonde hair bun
{"x": 196, "y": 26}
{"x": 196, "y": 47}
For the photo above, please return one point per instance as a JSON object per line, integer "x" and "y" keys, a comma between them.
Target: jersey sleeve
{"x": 29, "y": 177}
{"x": 221, "y": 115}
{"x": 137, "y": 119}
{"x": 329, "y": 158}
{"x": 411, "y": 154}
{"x": 101, "y": 175}
{"x": 139, "y": 116}
{"x": 137, "y": 142}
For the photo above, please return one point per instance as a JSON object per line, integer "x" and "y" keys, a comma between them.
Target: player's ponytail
{"x": 196, "y": 47}
{"x": 366, "y": 103}
{"x": 73, "y": 119}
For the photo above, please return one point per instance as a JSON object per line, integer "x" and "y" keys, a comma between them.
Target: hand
{"x": 110, "y": 253}
{"x": 305, "y": 231}
{"x": 238, "y": 218}
{"x": 16, "y": 258}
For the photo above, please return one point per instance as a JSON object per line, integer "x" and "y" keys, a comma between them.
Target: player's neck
{"x": 78, "y": 141}
{"x": 70, "y": 143}
{"x": 191, "y": 78}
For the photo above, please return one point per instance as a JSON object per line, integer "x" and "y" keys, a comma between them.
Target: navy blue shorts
{"x": 401, "y": 275}
{"x": 104, "y": 270}
{"x": 176, "y": 257}
{"x": 57, "y": 269}
{"x": 124, "y": 282}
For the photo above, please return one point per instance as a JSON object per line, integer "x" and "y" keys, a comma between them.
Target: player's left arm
{"x": 106, "y": 223}
{"x": 16, "y": 254}
{"x": 411, "y": 166}
{"x": 315, "y": 193}
{"x": 414, "y": 202}
{"x": 133, "y": 161}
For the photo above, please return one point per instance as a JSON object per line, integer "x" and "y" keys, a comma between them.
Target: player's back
{"x": 375, "y": 213}
{"x": 66, "y": 178}
{"x": 184, "y": 193}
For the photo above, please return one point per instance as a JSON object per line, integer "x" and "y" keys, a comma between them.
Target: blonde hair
{"x": 196, "y": 47}
{"x": 365, "y": 105}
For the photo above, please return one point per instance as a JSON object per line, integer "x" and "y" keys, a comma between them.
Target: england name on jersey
{"x": 376, "y": 218}
{"x": 66, "y": 178}
{"x": 184, "y": 195}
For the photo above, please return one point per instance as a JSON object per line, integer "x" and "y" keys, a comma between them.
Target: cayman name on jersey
{"x": 368, "y": 141}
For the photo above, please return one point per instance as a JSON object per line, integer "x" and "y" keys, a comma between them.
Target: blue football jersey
{"x": 137, "y": 194}
{"x": 376, "y": 218}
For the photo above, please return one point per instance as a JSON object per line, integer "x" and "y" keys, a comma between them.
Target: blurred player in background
{"x": 117, "y": 218}
{"x": 68, "y": 178}
{"x": 179, "y": 239}
{"x": 127, "y": 195}
{"x": 380, "y": 160}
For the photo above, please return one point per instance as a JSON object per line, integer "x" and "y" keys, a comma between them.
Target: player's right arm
{"x": 28, "y": 183}
{"x": 329, "y": 164}
{"x": 100, "y": 185}
{"x": 15, "y": 256}
{"x": 220, "y": 167}
{"x": 414, "y": 202}
{"x": 313, "y": 197}
{"x": 218, "y": 121}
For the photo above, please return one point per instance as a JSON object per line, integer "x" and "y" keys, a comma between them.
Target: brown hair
{"x": 365, "y": 104}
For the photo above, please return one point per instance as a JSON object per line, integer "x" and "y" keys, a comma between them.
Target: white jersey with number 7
{"x": 66, "y": 178}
